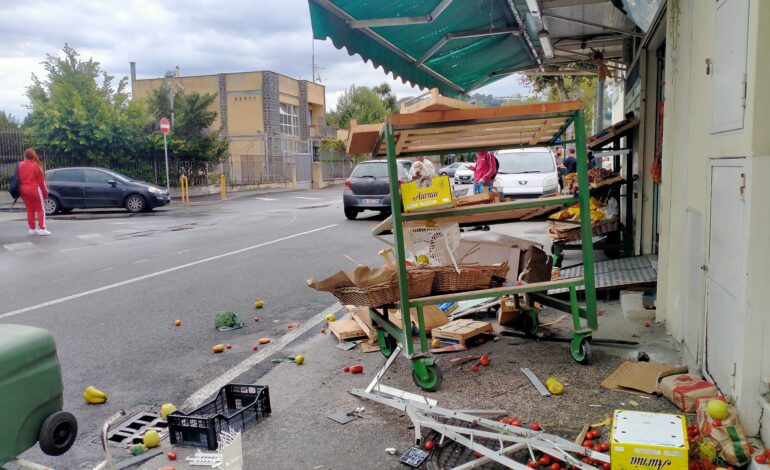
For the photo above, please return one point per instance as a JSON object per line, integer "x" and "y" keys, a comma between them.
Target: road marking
{"x": 197, "y": 398}
{"x": 306, "y": 198}
{"x": 265, "y": 199}
{"x": 158, "y": 273}
{"x": 91, "y": 236}
{"x": 23, "y": 248}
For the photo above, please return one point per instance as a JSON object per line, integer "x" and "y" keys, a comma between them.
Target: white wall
{"x": 689, "y": 145}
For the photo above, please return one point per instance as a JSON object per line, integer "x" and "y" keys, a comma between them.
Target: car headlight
{"x": 154, "y": 190}
{"x": 550, "y": 181}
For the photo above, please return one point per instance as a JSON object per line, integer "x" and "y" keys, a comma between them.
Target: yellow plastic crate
{"x": 437, "y": 195}
{"x": 648, "y": 441}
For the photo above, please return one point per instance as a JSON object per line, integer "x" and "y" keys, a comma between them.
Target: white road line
{"x": 306, "y": 198}
{"x": 197, "y": 398}
{"x": 91, "y": 236}
{"x": 158, "y": 273}
{"x": 265, "y": 199}
{"x": 22, "y": 246}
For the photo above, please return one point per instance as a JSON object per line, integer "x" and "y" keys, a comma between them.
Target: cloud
{"x": 200, "y": 36}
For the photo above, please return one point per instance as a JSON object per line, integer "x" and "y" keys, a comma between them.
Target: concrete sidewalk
{"x": 298, "y": 434}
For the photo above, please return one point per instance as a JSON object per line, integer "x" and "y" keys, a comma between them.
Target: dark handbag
{"x": 14, "y": 185}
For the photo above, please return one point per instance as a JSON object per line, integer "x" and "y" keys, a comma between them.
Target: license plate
{"x": 370, "y": 201}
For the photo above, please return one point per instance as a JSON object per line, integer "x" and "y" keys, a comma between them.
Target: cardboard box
{"x": 460, "y": 331}
{"x": 507, "y": 313}
{"x": 417, "y": 195}
{"x": 684, "y": 390}
{"x": 643, "y": 440}
{"x": 639, "y": 376}
{"x": 346, "y": 330}
{"x": 432, "y": 315}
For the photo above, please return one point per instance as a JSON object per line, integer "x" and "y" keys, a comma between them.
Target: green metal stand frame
{"x": 425, "y": 372}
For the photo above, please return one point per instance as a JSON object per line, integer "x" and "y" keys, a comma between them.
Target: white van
{"x": 526, "y": 173}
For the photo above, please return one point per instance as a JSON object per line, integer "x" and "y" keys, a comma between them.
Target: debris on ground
{"x": 177, "y": 322}
{"x": 218, "y": 348}
{"x": 292, "y": 325}
{"x": 414, "y": 456}
{"x": 346, "y": 329}
{"x": 536, "y": 382}
{"x": 227, "y": 320}
{"x": 448, "y": 349}
{"x": 264, "y": 340}
{"x": 259, "y": 304}
{"x": 346, "y": 345}
{"x": 639, "y": 376}
{"x": 683, "y": 390}
{"x": 290, "y": 359}
{"x": 344, "y": 417}
{"x": 166, "y": 410}
{"x": 460, "y": 331}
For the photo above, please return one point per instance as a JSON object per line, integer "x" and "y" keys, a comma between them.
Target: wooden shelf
{"x": 614, "y": 133}
{"x": 519, "y": 209}
{"x": 498, "y": 291}
{"x": 607, "y": 182}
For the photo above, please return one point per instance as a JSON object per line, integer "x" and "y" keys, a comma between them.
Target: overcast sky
{"x": 200, "y": 36}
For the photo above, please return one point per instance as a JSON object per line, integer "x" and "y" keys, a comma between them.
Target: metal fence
{"x": 256, "y": 169}
{"x": 335, "y": 164}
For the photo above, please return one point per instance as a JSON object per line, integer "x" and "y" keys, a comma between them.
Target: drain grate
{"x": 131, "y": 431}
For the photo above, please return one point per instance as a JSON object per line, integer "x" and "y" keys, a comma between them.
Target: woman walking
{"x": 484, "y": 171}
{"x": 33, "y": 191}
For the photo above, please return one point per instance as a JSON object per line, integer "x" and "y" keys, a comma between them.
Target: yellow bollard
{"x": 185, "y": 186}
{"x": 223, "y": 188}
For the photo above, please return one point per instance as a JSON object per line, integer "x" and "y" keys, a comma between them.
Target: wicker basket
{"x": 602, "y": 227}
{"x": 470, "y": 277}
{"x": 420, "y": 283}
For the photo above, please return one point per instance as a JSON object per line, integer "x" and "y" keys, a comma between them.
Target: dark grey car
{"x": 368, "y": 187}
{"x": 86, "y": 188}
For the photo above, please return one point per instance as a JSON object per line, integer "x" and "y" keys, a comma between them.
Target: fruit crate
{"x": 235, "y": 407}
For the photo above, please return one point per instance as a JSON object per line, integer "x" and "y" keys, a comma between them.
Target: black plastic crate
{"x": 235, "y": 407}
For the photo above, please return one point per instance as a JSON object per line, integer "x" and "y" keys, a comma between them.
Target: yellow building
{"x": 273, "y": 123}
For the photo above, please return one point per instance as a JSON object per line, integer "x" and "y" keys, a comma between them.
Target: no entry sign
{"x": 165, "y": 126}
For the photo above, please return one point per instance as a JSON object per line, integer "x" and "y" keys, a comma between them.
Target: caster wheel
{"x": 432, "y": 382}
{"x": 58, "y": 433}
{"x": 386, "y": 342}
{"x": 528, "y": 324}
{"x": 581, "y": 350}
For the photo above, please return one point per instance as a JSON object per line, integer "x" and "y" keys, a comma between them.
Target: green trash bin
{"x": 31, "y": 398}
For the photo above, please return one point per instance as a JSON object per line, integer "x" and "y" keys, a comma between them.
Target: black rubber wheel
{"x": 135, "y": 203}
{"x": 51, "y": 205}
{"x": 351, "y": 213}
{"x": 58, "y": 433}
{"x": 386, "y": 342}
{"x": 435, "y": 377}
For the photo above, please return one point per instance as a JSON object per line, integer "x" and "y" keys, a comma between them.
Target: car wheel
{"x": 51, "y": 205}
{"x": 351, "y": 213}
{"x": 135, "y": 203}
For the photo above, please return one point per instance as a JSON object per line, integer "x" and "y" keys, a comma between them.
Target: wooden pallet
{"x": 460, "y": 331}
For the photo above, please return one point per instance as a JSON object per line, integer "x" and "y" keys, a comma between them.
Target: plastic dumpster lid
{"x": 22, "y": 345}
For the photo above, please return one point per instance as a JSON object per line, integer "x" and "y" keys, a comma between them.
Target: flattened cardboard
{"x": 432, "y": 315}
{"x": 638, "y": 377}
{"x": 367, "y": 348}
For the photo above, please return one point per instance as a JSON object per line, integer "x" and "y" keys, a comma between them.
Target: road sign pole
{"x": 165, "y": 149}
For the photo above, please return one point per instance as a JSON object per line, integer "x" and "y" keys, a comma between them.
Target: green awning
{"x": 453, "y": 45}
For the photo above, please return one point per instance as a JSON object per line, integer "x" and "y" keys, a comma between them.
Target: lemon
{"x": 422, "y": 259}
{"x": 151, "y": 439}
{"x": 436, "y": 343}
{"x": 717, "y": 409}
{"x": 554, "y": 386}
{"x": 330, "y": 318}
{"x": 259, "y": 304}
{"x": 166, "y": 410}
{"x": 299, "y": 359}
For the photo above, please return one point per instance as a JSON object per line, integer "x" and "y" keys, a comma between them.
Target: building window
{"x": 289, "y": 119}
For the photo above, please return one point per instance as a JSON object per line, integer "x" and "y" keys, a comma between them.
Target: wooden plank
{"x": 402, "y": 138}
{"x": 543, "y": 132}
{"x": 473, "y": 132}
{"x": 480, "y": 127}
{"x": 614, "y": 134}
{"x": 460, "y": 331}
{"x": 518, "y": 112}
{"x": 499, "y": 291}
{"x": 362, "y": 138}
{"x": 435, "y": 102}
{"x": 513, "y": 140}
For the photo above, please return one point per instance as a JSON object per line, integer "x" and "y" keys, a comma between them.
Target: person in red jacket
{"x": 33, "y": 191}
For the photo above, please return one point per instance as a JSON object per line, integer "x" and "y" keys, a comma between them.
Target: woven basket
{"x": 420, "y": 283}
{"x": 600, "y": 228}
{"x": 470, "y": 277}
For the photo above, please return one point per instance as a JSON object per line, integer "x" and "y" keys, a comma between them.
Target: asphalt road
{"x": 109, "y": 285}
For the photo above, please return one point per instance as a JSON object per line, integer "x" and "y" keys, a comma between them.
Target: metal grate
{"x": 131, "y": 431}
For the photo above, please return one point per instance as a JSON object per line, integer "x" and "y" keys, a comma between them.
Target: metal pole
{"x": 165, "y": 150}
{"x": 586, "y": 232}
{"x": 599, "y": 107}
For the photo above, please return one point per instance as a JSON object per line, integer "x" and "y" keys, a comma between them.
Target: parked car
{"x": 87, "y": 188}
{"x": 368, "y": 187}
{"x": 450, "y": 170}
{"x": 526, "y": 173}
{"x": 463, "y": 175}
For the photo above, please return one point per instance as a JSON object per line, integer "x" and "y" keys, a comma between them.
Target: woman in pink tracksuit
{"x": 33, "y": 191}
{"x": 483, "y": 171}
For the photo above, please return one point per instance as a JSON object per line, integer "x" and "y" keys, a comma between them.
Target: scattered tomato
{"x": 484, "y": 360}
{"x": 606, "y": 466}
{"x": 767, "y": 453}
{"x": 229, "y": 346}
{"x": 502, "y": 421}
{"x": 647, "y": 325}
{"x": 428, "y": 444}
{"x": 478, "y": 454}
{"x": 474, "y": 368}
{"x": 356, "y": 369}
{"x": 536, "y": 427}
{"x": 346, "y": 369}
{"x": 597, "y": 448}
{"x": 516, "y": 423}
{"x": 555, "y": 466}
{"x": 604, "y": 446}
{"x": 292, "y": 325}
{"x": 761, "y": 458}
{"x": 544, "y": 460}
{"x": 254, "y": 348}
{"x": 717, "y": 423}
{"x": 588, "y": 443}
{"x": 323, "y": 331}
{"x": 256, "y": 318}
{"x": 171, "y": 456}
{"x": 532, "y": 464}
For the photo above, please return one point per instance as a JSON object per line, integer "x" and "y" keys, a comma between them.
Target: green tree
{"x": 7, "y": 121}
{"x": 365, "y": 105}
{"x": 77, "y": 111}
{"x": 567, "y": 88}
{"x": 193, "y": 136}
